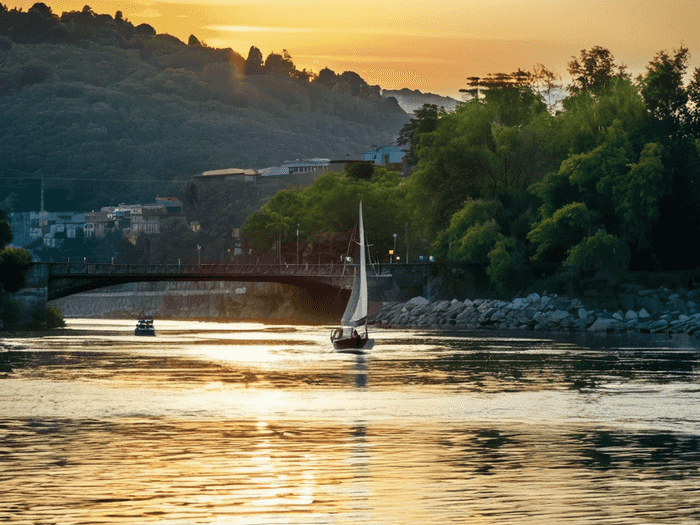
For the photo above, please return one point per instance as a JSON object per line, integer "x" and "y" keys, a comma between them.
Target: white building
{"x": 314, "y": 165}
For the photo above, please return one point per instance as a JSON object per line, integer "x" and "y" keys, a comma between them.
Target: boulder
{"x": 416, "y": 301}
{"x": 603, "y": 325}
{"x": 519, "y": 303}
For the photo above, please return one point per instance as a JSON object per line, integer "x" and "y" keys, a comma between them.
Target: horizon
{"x": 409, "y": 44}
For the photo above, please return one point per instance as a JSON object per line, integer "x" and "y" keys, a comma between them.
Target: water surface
{"x": 245, "y": 423}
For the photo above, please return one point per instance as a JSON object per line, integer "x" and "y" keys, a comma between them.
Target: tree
{"x": 145, "y": 29}
{"x": 601, "y": 251}
{"x": 425, "y": 120}
{"x": 593, "y": 71}
{"x": 555, "y": 235}
{"x": 360, "y": 170}
{"x": 194, "y": 41}
{"x": 280, "y": 65}
{"x": 13, "y": 261}
{"x": 547, "y": 85}
{"x": 327, "y": 77}
{"x": 666, "y": 98}
{"x": 254, "y": 62}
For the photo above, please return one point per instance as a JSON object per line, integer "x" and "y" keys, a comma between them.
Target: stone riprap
{"x": 641, "y": 310}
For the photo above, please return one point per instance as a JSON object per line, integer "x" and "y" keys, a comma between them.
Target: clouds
{"x": 148, "y": 13}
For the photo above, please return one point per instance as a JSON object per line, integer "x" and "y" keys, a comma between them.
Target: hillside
{"x": 120, "y": 119}
{"x": 412, "y": 99}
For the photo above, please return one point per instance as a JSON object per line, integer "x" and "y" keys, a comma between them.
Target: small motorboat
{"x": 144, "y": 327}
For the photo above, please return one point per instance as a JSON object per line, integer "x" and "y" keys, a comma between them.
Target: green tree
{"x": 360, "y": 170}
{"x": 602, "y": 251}
{"x": 14, "y": 263}
{"x": 425, "y": 120}
{"x": 664, "y": 93}
{"x": 455, "y": 162}
{"x": 593, "y": 71}
{"x": 555, "y": 235}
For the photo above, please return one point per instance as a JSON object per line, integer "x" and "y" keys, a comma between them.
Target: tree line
{"x": 528, "y": 176}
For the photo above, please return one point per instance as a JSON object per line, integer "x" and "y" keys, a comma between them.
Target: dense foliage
{"x": 604, "y": 179}
{"x": 323, "y": 216}
{"x": 13, "y": 263}
{"x": 607, "y": 183}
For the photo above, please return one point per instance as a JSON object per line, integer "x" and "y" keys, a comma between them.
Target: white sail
{"x": 362, "y": 302}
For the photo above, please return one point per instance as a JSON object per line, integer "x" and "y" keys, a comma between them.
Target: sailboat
{"x": 347, "y": 338}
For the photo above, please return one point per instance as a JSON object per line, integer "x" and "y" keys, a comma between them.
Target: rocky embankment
{"x": 640, "y": 310}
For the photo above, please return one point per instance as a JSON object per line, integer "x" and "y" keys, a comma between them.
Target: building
{"x": 51, "y": 227}
{"x": 291, "y": 167}
{"x": 238, "y": 174}
{"x": 96, "y": 224}
{"x": 384, "y": 156}
{"x": 131, "y": 219}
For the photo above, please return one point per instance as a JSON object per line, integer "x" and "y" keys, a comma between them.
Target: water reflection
{"x": 275, "y": 428}
{"x": 147, "y": 470}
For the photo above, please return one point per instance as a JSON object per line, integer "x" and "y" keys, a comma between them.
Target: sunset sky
{"x": 431, "y": 46}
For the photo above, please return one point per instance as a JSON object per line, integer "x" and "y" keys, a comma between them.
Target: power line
{"x": 97, "y": 180}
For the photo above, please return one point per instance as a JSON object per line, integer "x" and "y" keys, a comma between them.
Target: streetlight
{"x": 394, "y": 250}
{"x": 297, "y": 245}
{"x": 199, "y": 255}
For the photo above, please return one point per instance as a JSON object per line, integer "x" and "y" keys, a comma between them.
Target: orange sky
{"x": 431, "y": 46}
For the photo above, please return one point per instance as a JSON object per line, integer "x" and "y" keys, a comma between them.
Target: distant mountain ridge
{"x": 411, "y": 100}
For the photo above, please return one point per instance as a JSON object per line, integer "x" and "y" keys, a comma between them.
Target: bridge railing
{"x": 203, "y": 270}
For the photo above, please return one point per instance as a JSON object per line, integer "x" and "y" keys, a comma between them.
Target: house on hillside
{"x": 131, "y": 219}
{"x": 53, "y": 227}
{"x": 238, "y": 174}
{"x": 384, "y": 156}
{"x": 314, "y": 165}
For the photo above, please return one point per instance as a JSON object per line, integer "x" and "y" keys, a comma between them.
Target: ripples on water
{"x": 212, "y": 423}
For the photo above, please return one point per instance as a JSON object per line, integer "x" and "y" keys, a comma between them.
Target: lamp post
{"x": 199, "y": 255}
{"x": 297, "y": 245}
{"x": 394, "y": 250}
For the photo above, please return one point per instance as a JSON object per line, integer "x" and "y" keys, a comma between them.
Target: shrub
{"x": 602, "y": 251}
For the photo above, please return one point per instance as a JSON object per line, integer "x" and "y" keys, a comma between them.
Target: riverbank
{"x": 639, "y": 310}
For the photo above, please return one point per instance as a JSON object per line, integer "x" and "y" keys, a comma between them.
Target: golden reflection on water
{"x": 325, "y": 472}
{"x": 274, "y": 428}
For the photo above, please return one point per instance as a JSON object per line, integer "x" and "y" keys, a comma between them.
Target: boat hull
{"x": 144, "y": 332}
{"x": 349, "y": 343}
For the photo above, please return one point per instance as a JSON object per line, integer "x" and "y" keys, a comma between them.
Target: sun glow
{"x": 414, "y": 44}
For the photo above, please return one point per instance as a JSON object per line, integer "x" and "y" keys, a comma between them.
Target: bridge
{"x": 49, "y": 281}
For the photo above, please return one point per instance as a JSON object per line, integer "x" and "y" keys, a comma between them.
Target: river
{"x": 255, "y": 424}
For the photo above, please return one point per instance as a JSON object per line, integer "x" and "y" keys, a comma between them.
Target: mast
{"x": 363, "y": 306}
{"x": 359, "y": 309}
